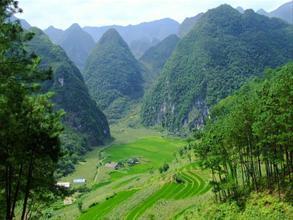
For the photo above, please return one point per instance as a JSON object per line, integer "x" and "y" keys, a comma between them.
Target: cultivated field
{"x": 132, "y": 191}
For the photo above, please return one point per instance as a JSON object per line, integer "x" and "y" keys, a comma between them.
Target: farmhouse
{"x": 81, "y": 180}
{"x": 112, "y": 165}
{"x": 63, "y": 184}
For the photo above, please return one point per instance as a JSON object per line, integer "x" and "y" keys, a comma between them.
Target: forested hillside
{"x": 223, "y": 51}
{"x": 86, "y": 125}
{"x": 188, "y": 24}
{"x": 247, "y": 142}
{"x": 155, "y": 57}
{"x": 113, "y": 75}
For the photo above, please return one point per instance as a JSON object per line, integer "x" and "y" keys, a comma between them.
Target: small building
{"x": 112, "y": 165}
{"x": 79, "y": 181}
{"x": 63, "y": 184}
{"x": 68, "y": 201}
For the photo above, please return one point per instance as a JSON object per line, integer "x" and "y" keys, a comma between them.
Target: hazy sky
{"x": 62, "y": 13}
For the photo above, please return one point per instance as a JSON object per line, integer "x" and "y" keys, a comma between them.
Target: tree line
{"x": 247, "y": 142}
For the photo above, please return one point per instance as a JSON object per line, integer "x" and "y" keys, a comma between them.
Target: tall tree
{"x": 29, "y": 127}
{"x": 248, "y": 142}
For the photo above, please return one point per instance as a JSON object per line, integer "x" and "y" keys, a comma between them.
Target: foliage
{"x": 248, "y": 142}
{"x": 164, "y": 168}
{"x": 155, "y": 57}
{"x": 71, "y": 94}
{"x": 188, "y": 24}
{"x": 85, "y": 125}
{"x": 224, "y": 50}
{"x": 113, "y": 75}
{"x": 29, "y": 126}
{"x": 259, "y": 206}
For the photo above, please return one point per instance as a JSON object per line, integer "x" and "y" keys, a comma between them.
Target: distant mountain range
{"x": 223, "y": 50}
{"x": 142, "y": 36}
{"x": 78, "y": 42}
{"x": 155, "y": 58}
{"x": 284, "y": 12}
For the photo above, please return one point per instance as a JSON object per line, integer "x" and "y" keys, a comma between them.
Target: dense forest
{"x": 247, "y": 142}
{"x": 114, "y": 77}
{"x": 223, "y": 50}
{"x": 85, "y": 125}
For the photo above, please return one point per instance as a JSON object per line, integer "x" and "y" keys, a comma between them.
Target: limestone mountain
{"x": 139, "y": 37}
{"x": 24, "y": 24}
{"x": 188, "y": 24}
{"x": 77, "y": 44}
{"x": 54, "y": 34}
{"x": 113, "y": 75}
{"x": 223, "y": 50}
{"x": 284, "y": 12}
{"x": 240, "y": 9}
{"x": 263, "y": 12}
{"x": 82, "y": 114}
{"x": 155, "y": 57}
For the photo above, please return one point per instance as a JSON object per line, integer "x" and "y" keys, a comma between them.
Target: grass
{"x": 193, "y": 185}
{"x": 132, "y": 189}
{"x": 150, "y": 152}
{"x": 100, "y": 210}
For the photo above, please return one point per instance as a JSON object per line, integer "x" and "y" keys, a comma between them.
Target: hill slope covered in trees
{"x": 113, "y": 75}
{"x": 224, "y": 50}
{"x": 86, "y": 125}
{"x": 155, "y": 57}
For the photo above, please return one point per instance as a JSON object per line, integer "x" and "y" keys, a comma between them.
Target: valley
{"x": 163, "y": 119}
{"x": 135, "y": 191}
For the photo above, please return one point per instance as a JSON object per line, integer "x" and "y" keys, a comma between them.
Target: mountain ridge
{"x": 113, "y": 75}
{"x": 222, "y": 51}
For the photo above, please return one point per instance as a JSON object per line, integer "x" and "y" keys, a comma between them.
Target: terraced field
{"x": 133, "y": 191}
{"x": 192, "y": 185}
{"x": 100, "y": 210}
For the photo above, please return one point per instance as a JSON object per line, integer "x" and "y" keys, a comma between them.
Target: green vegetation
{"x": 155, "y": 57}
{"x": 254, "y": 154}
{"x": 191, "y": 185}
{"x": 29, "y": 126}
{"x": 100, "y": 210}
{"x": 117, "y": 192}
{"x": 235, "y": 162}
{"x": 223, "y": 50}
{"x": 258, "y": 206}
{"x": 113, "y": 76}
{"x": 85, "y": 124}
{"x": 188, "y": 24}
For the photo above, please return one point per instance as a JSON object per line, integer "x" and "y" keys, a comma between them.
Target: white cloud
{"x": 62, "y": 13}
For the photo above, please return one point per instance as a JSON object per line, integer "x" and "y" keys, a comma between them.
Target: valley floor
{"x": 123, "y": 182}
{"x": 135, "y": 190}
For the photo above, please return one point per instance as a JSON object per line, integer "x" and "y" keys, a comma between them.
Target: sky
{"x": 63, "y": 13}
